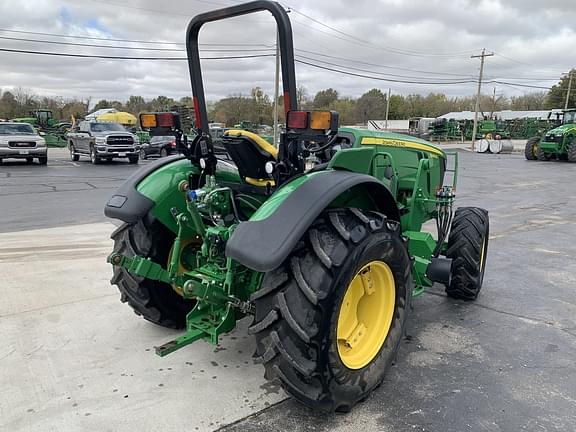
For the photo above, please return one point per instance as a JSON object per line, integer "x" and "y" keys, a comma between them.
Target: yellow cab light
{"x": 320, "y": 120}
{"x": 148, "y": 121}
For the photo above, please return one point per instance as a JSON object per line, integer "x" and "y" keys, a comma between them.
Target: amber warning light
{"x": 159, "y": 120}
{"x": 316, "y": 120}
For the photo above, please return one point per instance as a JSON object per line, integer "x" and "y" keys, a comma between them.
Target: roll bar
{"x": 286, "y": 53}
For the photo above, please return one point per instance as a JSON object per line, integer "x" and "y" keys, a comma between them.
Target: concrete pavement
{"x": 74, "y": 358}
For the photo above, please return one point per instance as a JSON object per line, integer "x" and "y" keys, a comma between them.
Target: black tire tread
{"x": 528, "y": 153}
{"x": 155, "y": 301}
{"x": 469, "y": 229}
{"x": 572, "y": 150}
{"x": 288, "y": 345}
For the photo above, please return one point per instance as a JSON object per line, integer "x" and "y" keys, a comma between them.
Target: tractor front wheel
{"x": 531, "y": 148}
{"x": 330, "y": 319}
{"x": 541, "y": 155}
{"x": 572, "y": 150}
{"x": 155, "y": 301}
{"x": 468, "y": 247}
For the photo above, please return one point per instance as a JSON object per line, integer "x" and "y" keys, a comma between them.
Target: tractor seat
{"x": 250, "y": 153}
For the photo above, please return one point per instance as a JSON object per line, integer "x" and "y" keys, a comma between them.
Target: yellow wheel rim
{"x": 366, "y": 314}
{"x": 483, "y": 254}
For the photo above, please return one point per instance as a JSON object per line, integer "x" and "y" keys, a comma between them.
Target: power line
{"x": 382, "y": 66}
{"x": 520, "y": 62}
{"x": 127, "y": 47}
{"x": 379, "y": 78}
{"x": 210, "y": 2}
{"x": 125, "y": 40}
{"x": 89, "y": 37}
{"x": 373, "y": 72}
{"x": 344, "y": 72}
{"x": 129, "y": 58}
{"x": 372, "y": 45}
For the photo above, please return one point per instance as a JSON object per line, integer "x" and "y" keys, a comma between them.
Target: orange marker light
{"x": 320, "y": 120}
{"x": 147, "y": 121}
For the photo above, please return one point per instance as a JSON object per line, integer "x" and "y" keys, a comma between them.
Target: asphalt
{"x": 74, "y": 358}
{"x": 58, "y": 194}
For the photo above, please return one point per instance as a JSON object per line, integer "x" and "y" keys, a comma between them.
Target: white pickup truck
{"x": 102, "y": 141}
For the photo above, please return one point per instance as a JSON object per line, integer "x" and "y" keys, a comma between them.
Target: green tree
{"x": 8, "y": 106}
{"x": 557, "y": 94}
{"x": 345, "y": 108}
{"x": 136, "y": 104}
{"x": 370, "y": 106}
{"x": 103, "y": 104}
{"x": 325, "y": 98}
{"x": 161, "y": 103}
{"x": 397, "y": 107}
{"x": 233, "y": 110}
{"x": 529, "y": 102}
{"x": 262, "y": 107}
{"x": 186, "y": 101}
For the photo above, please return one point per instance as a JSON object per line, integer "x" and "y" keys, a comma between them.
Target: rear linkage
{"x": 214, "y": 277}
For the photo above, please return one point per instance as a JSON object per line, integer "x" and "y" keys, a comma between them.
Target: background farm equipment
{"x": 320, "y": 240}
{"x": 43, "y": 120}
{"x": 557, "y": 143}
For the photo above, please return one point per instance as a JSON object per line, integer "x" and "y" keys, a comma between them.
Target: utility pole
{"x": 276, "y": 85}
{"x": 569, "y": 88}
{"x": 387, "y": 109}
{"x": 475, "y": 128}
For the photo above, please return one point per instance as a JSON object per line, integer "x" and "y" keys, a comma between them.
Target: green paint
{"x": 557, "y": 142}
{"x": 410, "y": 168}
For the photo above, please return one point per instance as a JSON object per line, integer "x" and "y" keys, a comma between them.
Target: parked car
{"x": 102, "y": 141}
{"x": 158, "y": 146}
{"x": 21, "y": 141}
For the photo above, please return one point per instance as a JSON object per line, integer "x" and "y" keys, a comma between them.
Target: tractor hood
{"x": 561, "y": 130}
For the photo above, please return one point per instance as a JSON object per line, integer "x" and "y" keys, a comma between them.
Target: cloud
{"x": 428, "y": 39}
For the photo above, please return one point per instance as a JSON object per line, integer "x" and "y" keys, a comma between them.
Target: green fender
{"x": 264, "y": 242}
{"x": 154, "y": 188}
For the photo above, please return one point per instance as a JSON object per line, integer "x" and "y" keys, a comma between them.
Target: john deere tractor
{"x": 44, "y": 121}
{"x": 558, "y": 143}
{"x": 320, "y": 242}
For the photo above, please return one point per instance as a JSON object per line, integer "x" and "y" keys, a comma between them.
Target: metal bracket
{"x": 140, "y": 267}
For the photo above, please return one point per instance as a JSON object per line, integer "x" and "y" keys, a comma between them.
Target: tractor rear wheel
{"x": 572, "y": 150}
{"x": 330, "y": 319}
{"x": 155, "y": 301}
{"x": 468, "y": 247}
{"x": 531, "y": 148}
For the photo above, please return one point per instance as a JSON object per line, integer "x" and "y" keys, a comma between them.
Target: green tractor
{"x": 558, "y": 143}
{"x": 319, "y": 241}
{"x": 53, "y": 131}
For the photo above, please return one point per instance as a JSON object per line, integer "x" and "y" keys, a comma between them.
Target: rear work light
{"x": 297, "y": 120}
{"x": 148, "y": 121}
{"x": 314, "y": 120}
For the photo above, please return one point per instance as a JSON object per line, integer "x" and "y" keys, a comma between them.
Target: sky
{"x": 387, "y": 42}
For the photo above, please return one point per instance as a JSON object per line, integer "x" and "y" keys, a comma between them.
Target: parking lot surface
{"x": 74, "y": 358}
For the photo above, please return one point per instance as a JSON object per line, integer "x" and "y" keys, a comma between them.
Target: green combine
{"x": 558, "y": 143}
{"x": 320, "y": 242}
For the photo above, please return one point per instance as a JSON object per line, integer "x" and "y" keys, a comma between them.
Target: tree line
{"x": 257, "y": 107}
